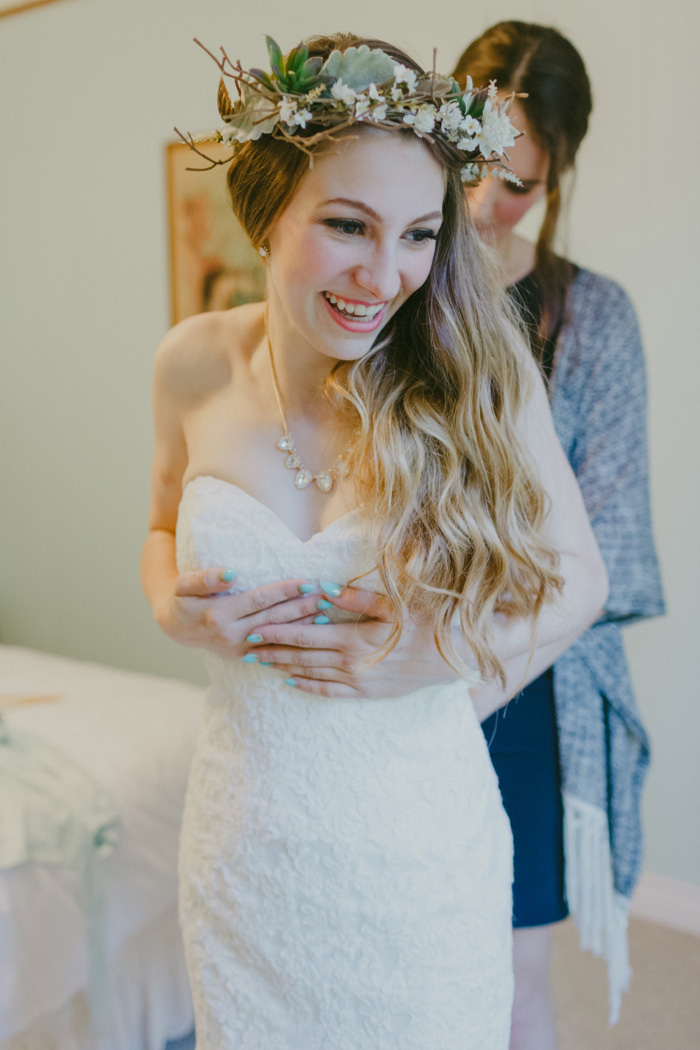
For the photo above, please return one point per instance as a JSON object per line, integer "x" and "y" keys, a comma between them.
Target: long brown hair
{"x": 538, "y": 60}
{"x": 452, "y": 504}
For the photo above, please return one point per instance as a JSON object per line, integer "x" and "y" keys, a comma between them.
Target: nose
{"x": 379, "y": 273}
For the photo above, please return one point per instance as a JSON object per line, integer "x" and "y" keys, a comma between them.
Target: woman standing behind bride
{"x": 576, "y": 729}
{"x": 345, "y": 860}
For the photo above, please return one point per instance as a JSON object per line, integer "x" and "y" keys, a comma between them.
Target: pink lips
{"x": 354, "y": 325}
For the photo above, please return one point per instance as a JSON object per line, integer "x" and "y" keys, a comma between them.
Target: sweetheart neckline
{"x": 269, "y": 510}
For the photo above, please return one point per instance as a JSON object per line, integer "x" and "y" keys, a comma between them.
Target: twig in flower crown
{"x": 221, "y": 63}
{"x": 237, "y": 73}
{"x": 432, "y": 82}
{"x": 235, "y": 66}
{"x": 189, "y": 141}
{"x": 306, "y": 144}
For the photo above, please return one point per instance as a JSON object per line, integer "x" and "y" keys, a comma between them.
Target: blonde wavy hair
{"x": 453, "y": 504}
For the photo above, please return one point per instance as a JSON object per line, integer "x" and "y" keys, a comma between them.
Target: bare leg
{"x": 532, "y": 1026}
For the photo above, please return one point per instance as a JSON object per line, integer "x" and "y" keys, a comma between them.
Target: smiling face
{"x": 355, "y": 241}
{"x": 497, "y": 206}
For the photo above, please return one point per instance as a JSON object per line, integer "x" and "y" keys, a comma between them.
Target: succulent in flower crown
{"x": 360, "y": 85}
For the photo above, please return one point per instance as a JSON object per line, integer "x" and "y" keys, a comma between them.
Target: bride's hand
{"x": 331, "y": 659}
{"x": 202, "y": 612}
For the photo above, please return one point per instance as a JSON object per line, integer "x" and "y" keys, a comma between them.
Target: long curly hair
{"x": 452, "y": 503}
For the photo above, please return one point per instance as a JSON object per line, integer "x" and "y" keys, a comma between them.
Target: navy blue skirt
{"x": 522, "y": 739}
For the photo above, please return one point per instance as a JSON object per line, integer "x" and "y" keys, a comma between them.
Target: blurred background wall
{"x": 90, "y": 90}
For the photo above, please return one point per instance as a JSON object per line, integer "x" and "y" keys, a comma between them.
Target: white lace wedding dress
{"x": 345, "y": 865}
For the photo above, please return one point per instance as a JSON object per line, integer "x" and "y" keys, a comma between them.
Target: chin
{"x": 346, "y": 350}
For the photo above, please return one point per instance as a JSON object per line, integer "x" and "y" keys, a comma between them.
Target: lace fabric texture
{"x": 345, "y": 865}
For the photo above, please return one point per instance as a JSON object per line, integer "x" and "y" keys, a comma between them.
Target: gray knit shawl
{"x": 598, "y": 399}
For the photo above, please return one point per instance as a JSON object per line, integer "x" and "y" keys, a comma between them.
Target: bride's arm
{"x": 332, "y": 660}
{"x": 196, "y": 608}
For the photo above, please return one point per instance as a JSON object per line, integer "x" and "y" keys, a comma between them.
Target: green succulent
{"x": 358, "y": 67}
{"x": 296, "y": 75}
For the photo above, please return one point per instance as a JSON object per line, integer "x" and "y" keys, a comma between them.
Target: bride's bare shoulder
{"x": 199, "y": 355}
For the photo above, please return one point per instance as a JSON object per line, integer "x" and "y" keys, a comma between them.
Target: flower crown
{"x": 360, "y": 85}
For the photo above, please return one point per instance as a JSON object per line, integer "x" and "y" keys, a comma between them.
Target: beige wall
{"x": 90, "y": 90}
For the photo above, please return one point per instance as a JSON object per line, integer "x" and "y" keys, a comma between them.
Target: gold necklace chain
{"x": 303, "y": 477}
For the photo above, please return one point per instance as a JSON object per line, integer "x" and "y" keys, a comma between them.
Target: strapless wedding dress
{"x": 345, "y": 865}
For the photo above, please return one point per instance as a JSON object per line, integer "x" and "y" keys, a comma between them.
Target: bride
{"x": 345, "y": 860}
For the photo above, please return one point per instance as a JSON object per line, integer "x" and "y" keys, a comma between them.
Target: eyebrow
{"x": 375, "y": 215}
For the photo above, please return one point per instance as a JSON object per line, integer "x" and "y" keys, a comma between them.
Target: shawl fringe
{"x": 599, "y": 912}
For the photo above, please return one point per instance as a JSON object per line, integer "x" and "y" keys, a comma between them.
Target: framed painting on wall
{"x": 12, "y": 7}
{"x": 212, "y": 263}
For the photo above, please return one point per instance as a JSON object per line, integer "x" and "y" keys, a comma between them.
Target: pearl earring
{"x": 262, "y": 252}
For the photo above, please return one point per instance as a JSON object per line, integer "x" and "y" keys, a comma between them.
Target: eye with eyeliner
{"x": 520, "y": 191}
{"x": 421, "y": 236}
{"x": 354, "y": 227}
{"x": 350, "y": 227}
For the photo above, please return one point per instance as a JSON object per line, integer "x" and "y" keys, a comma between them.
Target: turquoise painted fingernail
{"x": 322, "y": 619}
{"x": 228, "y": 574}
{"x": 290, "y": 681}
{"x": 254, "y": 638}
{"x": 306, "y": 588}
{"x": 330, "y": 588}
{"x": 250, "y": 658}
{"x": 323, "y": 604}
{"x": 266, "y": 663}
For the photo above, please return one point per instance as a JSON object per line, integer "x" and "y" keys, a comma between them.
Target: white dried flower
{"x": 425, "y": 119}
{"x": 402, "y": 75}
{"x": 361, "y": 107}
{"x": 379, "y": 112}
{"x": 451, "y": 115}
{"x": 471, "y": 173}
{"x": 422, "y": 119}
{"x": 497, "y": 132}
{"x": 343, "y": 93}
{"x": 506, "y": 175}
{"x": 288, "y": 109}
{"x": 301, "y": 117}
{"x": 470, "y": 125}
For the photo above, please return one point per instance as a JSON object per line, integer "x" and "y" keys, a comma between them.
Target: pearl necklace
{"x": 303, "y": 477}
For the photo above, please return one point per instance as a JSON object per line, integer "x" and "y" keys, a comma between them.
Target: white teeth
{"x": 356, "y": 309}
